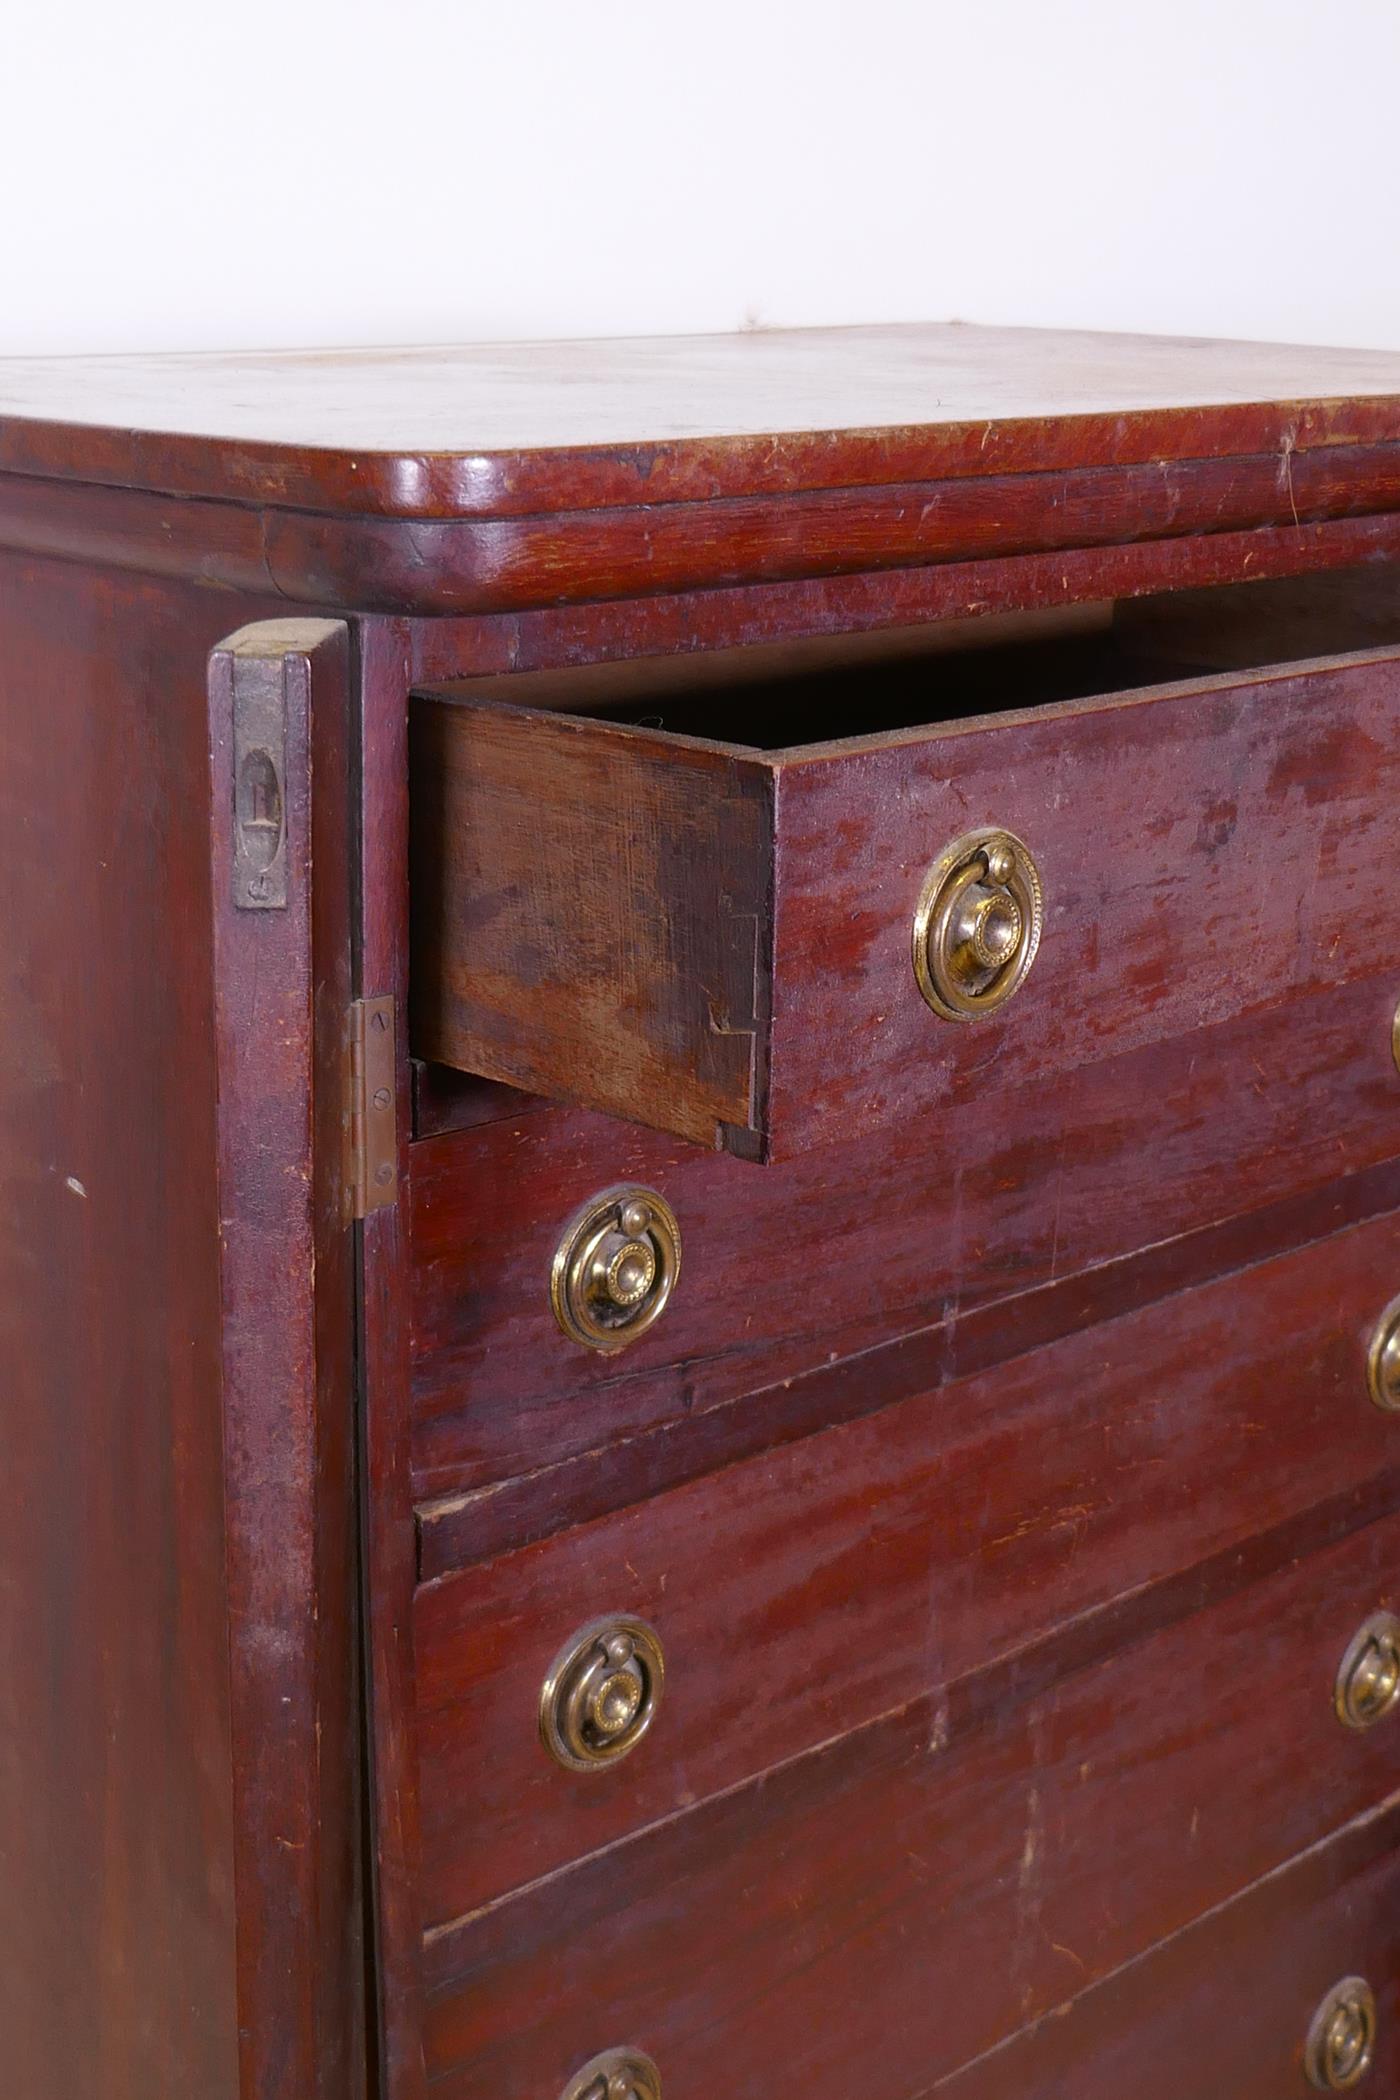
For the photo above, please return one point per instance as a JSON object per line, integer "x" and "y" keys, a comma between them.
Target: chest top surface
{"x": 501, "y": 429}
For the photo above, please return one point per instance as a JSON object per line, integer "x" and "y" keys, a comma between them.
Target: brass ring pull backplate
{"x": 1383, "y": 1362}
{"x": 978, "y": 924}
{"x": 601, "y": 1694}
{"x": 1341, "y": 2044}
{"x": 615, "y": 1268}
{"x": 1368, "y": 1682}
{"x": 618, "y": 2074}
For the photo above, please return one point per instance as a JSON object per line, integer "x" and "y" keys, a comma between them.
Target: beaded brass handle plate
{"x": 618, "y": 2074}
{"x": 1341, "y": 2043}
{"x": 601, "y": 1693}
{"x": 1368, "y": 1682}
{"x": 978, "y": 924}
{"x": 615, "y": 1268}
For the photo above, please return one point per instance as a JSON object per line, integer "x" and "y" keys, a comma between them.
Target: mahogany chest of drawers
{"x": 701, "y": 1261}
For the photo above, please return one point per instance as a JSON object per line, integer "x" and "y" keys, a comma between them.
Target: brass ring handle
{"x": 618, "y": 2074}
{"x": 978, "y": 924}
{"x": 1368, "y": 1681}
{"x": 1383, "y": 1360}
{"x": 601, "y": 1693}
{"x": 1341, "y": 2044}
{"x": 615, "y": 1268}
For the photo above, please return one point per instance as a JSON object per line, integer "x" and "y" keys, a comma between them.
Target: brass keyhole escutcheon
{"x": 1368, "y": 1682}
{"x": 618, "y": 2074}
{"x": 601, "y": 1694}
{"x": 615, "y": 1268}
{"x": 978, "y": 924}
{"x": 1383, "y": 1361}
{"x": 1341, "y": 2044}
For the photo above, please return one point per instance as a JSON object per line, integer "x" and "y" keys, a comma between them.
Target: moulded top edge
{"x": 522, "y": 428}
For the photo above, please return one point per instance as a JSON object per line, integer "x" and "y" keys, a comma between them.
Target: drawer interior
{"x": 831, "y": 688}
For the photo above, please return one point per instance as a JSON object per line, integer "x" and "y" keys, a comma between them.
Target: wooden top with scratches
{"x": 513, "y": 428}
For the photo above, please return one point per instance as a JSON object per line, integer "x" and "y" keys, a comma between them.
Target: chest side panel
{"x": 117, "y": 1898}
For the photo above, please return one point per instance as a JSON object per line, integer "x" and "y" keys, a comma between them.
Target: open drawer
{"x": 691, "y": 896}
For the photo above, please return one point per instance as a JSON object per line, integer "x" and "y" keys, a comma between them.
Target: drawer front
{"x": 720, "y": 942}
{"x": 912, "y": 1229}
{"x": 1226, "y": 2009}
{"x": 911, "y": 1894}
{"x": 1204, "y": 852}
{"x": 840, "y": 1577}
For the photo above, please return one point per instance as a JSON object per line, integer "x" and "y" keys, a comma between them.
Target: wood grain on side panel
{"x": 941, "y": 1885}
{"x": 117, "y": 1953}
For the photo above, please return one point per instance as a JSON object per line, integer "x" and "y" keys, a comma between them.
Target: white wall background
{"x": 226, "y": 173}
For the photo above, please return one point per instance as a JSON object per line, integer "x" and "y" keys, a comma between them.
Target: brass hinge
{"x": 372, "y": 1135}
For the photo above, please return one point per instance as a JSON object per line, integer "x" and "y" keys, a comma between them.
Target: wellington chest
{"x": 700, "y": 1272}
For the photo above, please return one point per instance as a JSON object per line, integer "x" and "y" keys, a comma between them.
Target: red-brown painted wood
{"x": 1225, "y": 2007}
{"x": 477, "y": 480}
{"x": 844, "y": 1575}
{"x": 181, "y": 1807}
{"x": 344, "y": 566}
{"x": 118, "y": 1970}
{"x": 282, "y": 988}
{"x": 748, "y": 615}
{"x": 179, "y": 1907}
{"x": 498, "y": 429}
{"x": 603, "y": 908}
{"x": 392, "y": 1842}
{"x": 917, "y": 1890}
{"x": 572, "y": 557}
{"x": 480, "y": 1524}
{"x": 1204, "y": 852}
{"x": 904, "y": 1231}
